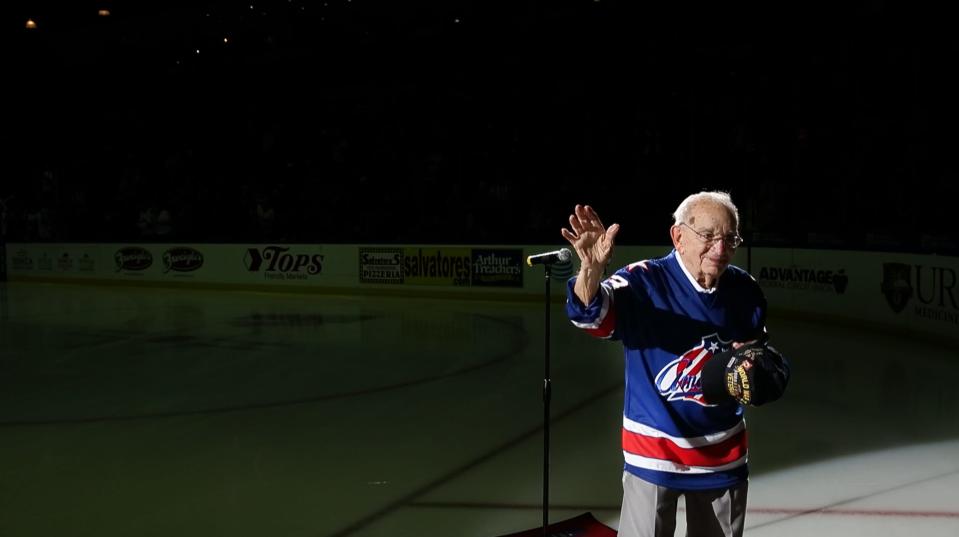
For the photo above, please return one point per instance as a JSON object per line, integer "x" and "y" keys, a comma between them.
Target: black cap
{"x": 753, "y": 374}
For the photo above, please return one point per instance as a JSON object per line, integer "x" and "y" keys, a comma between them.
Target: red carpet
{"x": 582, "y": 526}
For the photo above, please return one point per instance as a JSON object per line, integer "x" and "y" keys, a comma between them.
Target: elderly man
{"x": 672, "y": 314}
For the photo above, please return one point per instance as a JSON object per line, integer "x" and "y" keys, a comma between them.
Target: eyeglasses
{"x": 732, "y": 240}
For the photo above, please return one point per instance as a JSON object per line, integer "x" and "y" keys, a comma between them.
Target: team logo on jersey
{"x": 680, "y": 379}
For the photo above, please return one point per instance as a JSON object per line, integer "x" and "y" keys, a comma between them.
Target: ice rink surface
{"x": 157, "y": 412}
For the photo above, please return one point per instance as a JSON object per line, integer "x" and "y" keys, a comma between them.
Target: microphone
{"x": 548, "y": 258}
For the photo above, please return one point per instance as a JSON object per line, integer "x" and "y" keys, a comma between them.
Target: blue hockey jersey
{"x": 670, "y": 327}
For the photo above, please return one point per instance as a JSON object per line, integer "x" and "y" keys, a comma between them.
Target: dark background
{"x": 833, "y": 126}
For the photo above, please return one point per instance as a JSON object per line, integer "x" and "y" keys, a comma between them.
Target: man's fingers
{"x": 584, "y": 219}
{"x": 578, "y": 210}
{"x": 575, "y": 224}
{"x": 594, "y": 216}
{"x": 611, "y": 233}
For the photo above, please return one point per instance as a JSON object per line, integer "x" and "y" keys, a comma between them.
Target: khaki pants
{"x": 650, "y": 510}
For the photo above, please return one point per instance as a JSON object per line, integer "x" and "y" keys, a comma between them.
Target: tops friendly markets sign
{"x": 284, "y": 262}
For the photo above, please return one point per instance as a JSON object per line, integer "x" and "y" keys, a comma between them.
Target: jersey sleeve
{"x": 601, "y": 317}
{"x": 758, "y": 319}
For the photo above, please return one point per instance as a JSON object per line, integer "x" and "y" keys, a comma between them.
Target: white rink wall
{"x": 906, "y": 292}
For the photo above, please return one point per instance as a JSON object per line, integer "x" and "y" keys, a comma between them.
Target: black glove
{"x": 753, "y": 374}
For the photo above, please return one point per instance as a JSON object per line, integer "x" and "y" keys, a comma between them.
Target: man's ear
{"x": 676, "y": 232}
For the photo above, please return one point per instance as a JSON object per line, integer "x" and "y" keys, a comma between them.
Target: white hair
{"x": 681, "y": 215}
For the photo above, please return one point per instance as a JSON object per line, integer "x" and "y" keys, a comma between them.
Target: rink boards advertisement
{"x": 450, "y": 266}
{"x": 464, "y": 268}
{"x": 263, "y": 264}
{"x": 918, "y": 292}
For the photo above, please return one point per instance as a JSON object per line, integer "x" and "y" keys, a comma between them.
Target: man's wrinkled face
{"x": 704, "y": 242}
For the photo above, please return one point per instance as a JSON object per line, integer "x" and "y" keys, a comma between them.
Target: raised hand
{"x": 594, "y": 246}
{"x": 589, "y": 237}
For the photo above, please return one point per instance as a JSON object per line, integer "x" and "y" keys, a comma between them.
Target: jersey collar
{"x": 689, "y": 276}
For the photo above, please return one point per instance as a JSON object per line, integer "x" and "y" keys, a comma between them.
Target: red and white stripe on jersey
{"x": 605, "y": 323}
{"x": 652, "y": 449}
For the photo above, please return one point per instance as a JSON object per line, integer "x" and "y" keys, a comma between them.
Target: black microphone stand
{"x": 3, "y": 239}
{"x": 547, "y": 394}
